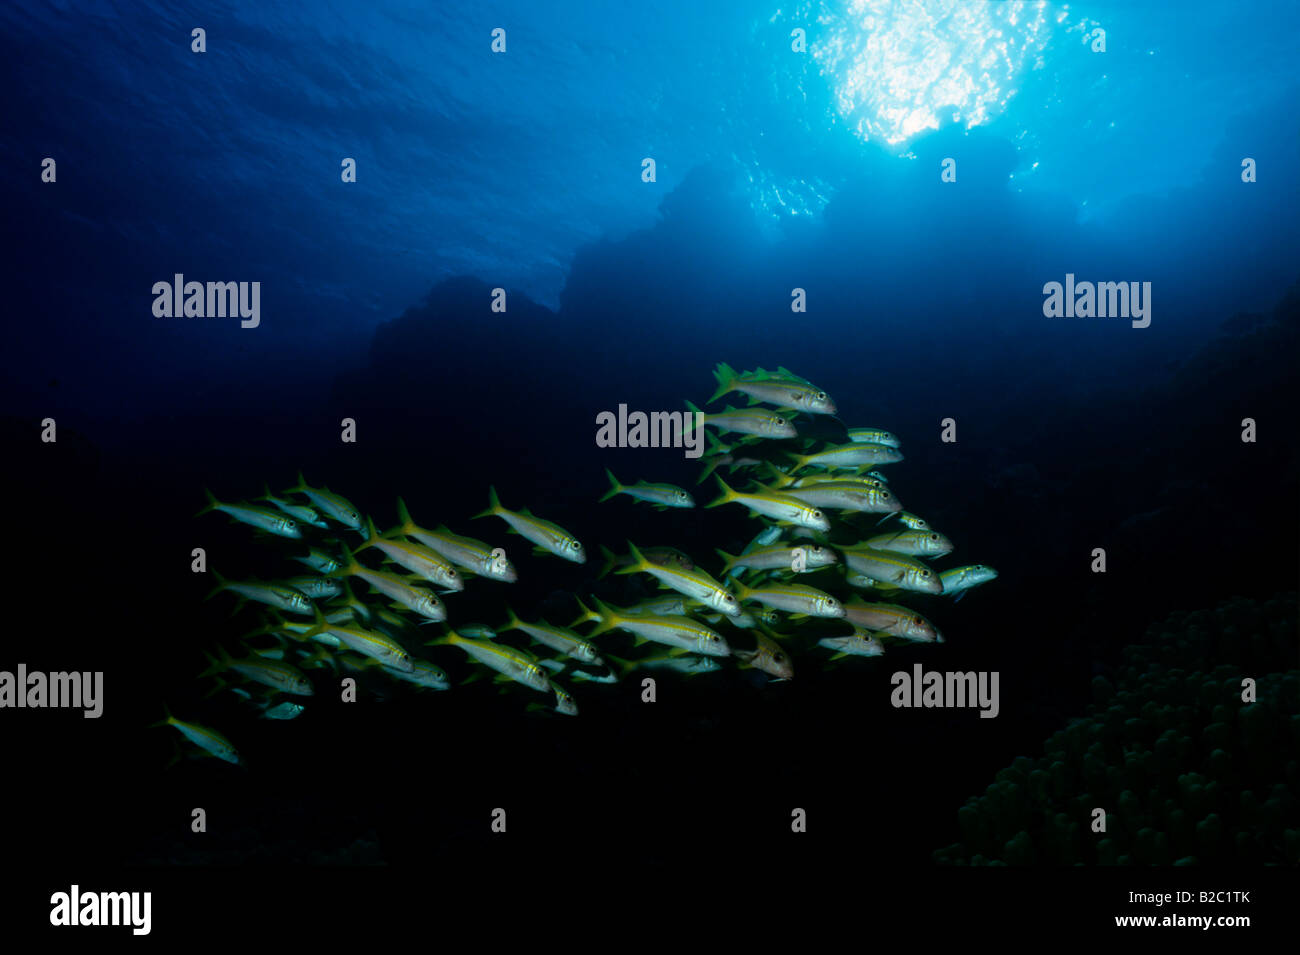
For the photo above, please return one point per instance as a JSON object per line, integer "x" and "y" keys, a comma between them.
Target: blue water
{"x": 225, "y": 165}
{"x": 775, "y": 170}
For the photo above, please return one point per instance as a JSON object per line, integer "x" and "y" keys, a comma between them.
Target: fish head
{"x": 820, "y": 403}
{"x": 871, "y": 647}
{"x": 917, "y": 628}
{"x": 714, "y": 645}
{"x": 401, "y": 660}
{"x": 928, "y": 581}
{"x": 303, "y": 688}
{"x": 536, "y": 677}
{"x": 819, "y": 556}
{"x": 775, "y": 662}
{"x": 817, "y": 520}
{"x": 937, "y": 544}
{"x": 683, "y": 499}
{"x": 586, "y": 653}
{"x": 830, "y": 607}
{"x": 782, "y": 427}
{"x": 290, "y": 528}
{"x": 299, "y": 602}
{"x": 573, "y": 550}
{"x": 726, "y": 602}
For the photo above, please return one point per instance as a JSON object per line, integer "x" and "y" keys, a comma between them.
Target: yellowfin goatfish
{"x": 846, "y": 496}
{"x": 898, "y": 570}
{"x": 892, "y": 620}
{"x": 915, "y": 543}
{"x": 509, "y": 662}
{"x": 209, "y": 740}
{"x": 961, "y": 579}
{"x": 680, "y": 632}
{"x": 767, "y": 656}
{"x": 793, "y": 598}
{"x": 781, "y": 557}
{"x": 547, "y": 536}
{"x": 424, "y": 674}
{"x": 557, "y": 638}
{"x": 328, "y": 503}
{"x": 316, "y": 587}
{"x": 464, "y": 552}
{"x": 860, "y": 644}
{"x": 272, "y": 673}
{"x": 693, "y": 583}
{"x": 283, "y": 598}
{"x": 264, "y": 519}
{"x": 873, "y": 436}
{"x": 424, "y": 602}
{"x": 283, "y": 711}
{"x": 783, "y": 389}
{"x": 848, "y": 456}
{"x": 912, "y": 521}
{"x": 668, "y": 556}
{"x": 690, "y": 665}
{"x": 565, "y": 704}
{"x": 319, "y": 561}
{"x": 418, "y": 559}
{"x": 777, "y": 505}
{"x": 369, "y": 643}
{"x": 300, "y": 512}
{"x": 660, "y": 495}
{"x": 756, "y": 421}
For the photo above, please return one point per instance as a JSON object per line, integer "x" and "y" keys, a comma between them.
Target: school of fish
{"x": 824, "y": 513}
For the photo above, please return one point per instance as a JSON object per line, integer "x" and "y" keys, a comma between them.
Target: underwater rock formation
{"x": 1186, "y": 772}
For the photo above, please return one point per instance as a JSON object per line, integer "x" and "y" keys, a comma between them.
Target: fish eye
{"x": 821, "y": 396}
{"x": 917, "y": 620}
{"x": 934, "y": 537}
{"x": 817, "y": 514}
{"x": 925, "y": 573}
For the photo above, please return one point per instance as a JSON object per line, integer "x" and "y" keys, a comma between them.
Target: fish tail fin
{"x": 709, "y": 467}
{"x": 608, "y": 621}
{"x": 610, "y": 560}
{"x": 727, "y": 493}
{"x": 350, "y": 563}
{"x": 215, "y": 665}
{"x": 212, "y": 504}
{"x": 798, "y": 459}
{"x": 588, "y": 615}
{"x": 446, "y": 640}
{"x": 319, "y": 625}
{"x": 218, "y": 684}
{"x": 266, "y": 493}
{"x": 494, "y": 505}
{"x": 689, "y": 425}
{"x": 221, "y": 585}
{"x": 614, "y": 489}
{"x": 404, "y": 516}
{"x": 638, "y": 562}
{"x": 512, "y": 622}
{"x": 372, "y": 535}
{"x": 621, "y": 666}
{"x": 725, "y": 376}
{"x": 167, "y": 719}
{"x": 729, "y": 560}
{"x": 300, "y": 486}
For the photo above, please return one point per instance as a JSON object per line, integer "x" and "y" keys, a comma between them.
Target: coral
{"x": 1186, "y": 771}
